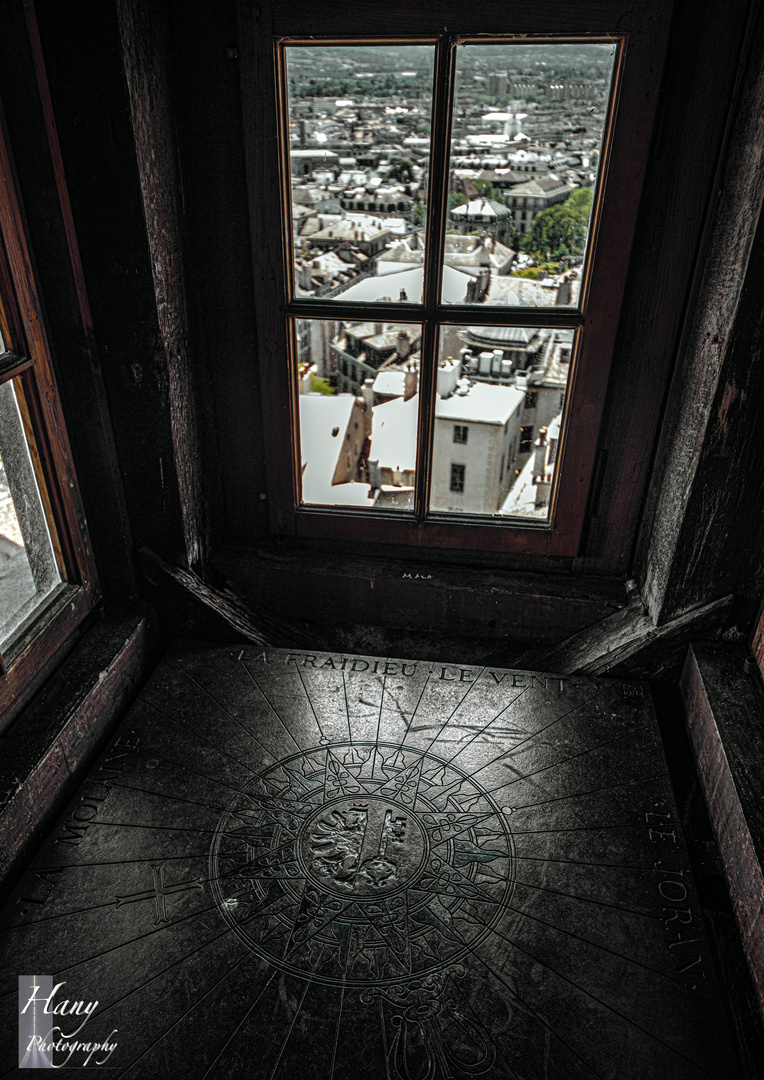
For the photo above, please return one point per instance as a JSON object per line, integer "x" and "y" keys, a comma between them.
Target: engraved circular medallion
{"x": 362, "y": 847}
{"x": 362, "y": 862}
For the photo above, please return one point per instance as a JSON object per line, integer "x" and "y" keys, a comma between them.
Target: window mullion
{"x": 12, "y": 364}
{"x": 437, "y": 207}
{"x": 437, "y": 195}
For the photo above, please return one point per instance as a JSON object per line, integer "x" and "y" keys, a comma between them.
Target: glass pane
{"x": 28, "y": 568}
{"x": 525, "y": 150}
{"x": 358, "y": 401}
{"x": 498, "y": 412}
{"x": 359, "y": 146}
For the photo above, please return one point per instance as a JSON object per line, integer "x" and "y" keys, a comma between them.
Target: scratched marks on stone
{"x": 374, "y": 856}
{"x": 398, "y": 869}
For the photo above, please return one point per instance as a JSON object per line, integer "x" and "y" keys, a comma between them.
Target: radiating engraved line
{"x": 310, "y": 702}
{"x": 161, "y": 928}
{"x": 199, "y": 736}
{"x": 564, "y": 761}
{"x": 239, "y": 1025}
{"x": 176, "y": 963}
{"x": 582, "y": 862}
{"x": 384, "y": 1039}
{"x": 529, "y": 1008}
{"x": 131, "y": 941}
{"x": 308, "y": 985}
{"x": 595, "y": 945}
{"x": 167, "y": 795}
{"x": 535, "y": 734}
{"x": 347, "y": 706}
{"x": 223, "y": 708}
{"x": 339, "y": 1014}
{"x": 588, "y": 993}
{"x": 455, "y": 709}
{"x": 202, "y": 880}
{"x": 589, "y": 900}
{"x": 143, "y": 825}
{"x": 268, "y": 703}
{"x": 379, "y": 724}
{"x": 419, "y": 702}
{"x": 594, "y": 791}
{"x": 117, "y": 862}
{"x": 486, "y": 726}
{"x": 577, "y": 828}
{"x": 206, "y": 880}
{"x": 187, "y": 1011}
{"x": 202, "y": 775}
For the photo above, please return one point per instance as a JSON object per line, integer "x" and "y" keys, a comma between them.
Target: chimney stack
{"x": 410, "y": 384}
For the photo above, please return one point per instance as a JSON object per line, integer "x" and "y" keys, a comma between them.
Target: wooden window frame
{"x": 35, "y": 643}
{"x": 641, "y": 33}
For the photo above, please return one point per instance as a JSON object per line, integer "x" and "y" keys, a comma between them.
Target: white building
{"x": 477, "y": 438}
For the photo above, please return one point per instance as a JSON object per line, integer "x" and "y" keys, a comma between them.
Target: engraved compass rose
{"x": 362, "y": 862}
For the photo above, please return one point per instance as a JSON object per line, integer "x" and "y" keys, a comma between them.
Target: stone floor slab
{"x": 292, "y": 865}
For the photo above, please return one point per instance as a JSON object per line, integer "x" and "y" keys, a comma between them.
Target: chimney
{"x": 410, "y": 384}
{"x": 403, "y": 344}
{"x": 539, "y": 460}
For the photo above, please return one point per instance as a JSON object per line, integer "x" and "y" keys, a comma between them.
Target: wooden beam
{"x": 146, "y": 50}
{"x": 247, "y": 620}
{"x": 628, "y": 644}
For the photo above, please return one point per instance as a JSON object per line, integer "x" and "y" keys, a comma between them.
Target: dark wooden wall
{"x": 159, "y": 370}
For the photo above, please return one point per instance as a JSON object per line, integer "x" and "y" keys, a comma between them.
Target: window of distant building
{"x": 453, "y": 308}
{"x": 457, "y": 477}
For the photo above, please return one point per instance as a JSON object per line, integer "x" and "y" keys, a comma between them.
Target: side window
{"x": 47, "y": 576}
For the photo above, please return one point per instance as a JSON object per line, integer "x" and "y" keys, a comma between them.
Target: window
{"x": 526, "y": 440}
{"x": 460, "y": 433}
{"x": 457, "y": 477}
{"x": 458, "y": 340}
{"x": 47, "y": 578}
{"x": 531, "y": 399}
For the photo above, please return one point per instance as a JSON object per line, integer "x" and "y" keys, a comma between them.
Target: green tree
{"x": 321, "y": 386}
{"x": 560, "y": 232}
{"x": 489, "y": 191}
{"x": 402, "y": 170}
{"x": 456, "y": 198}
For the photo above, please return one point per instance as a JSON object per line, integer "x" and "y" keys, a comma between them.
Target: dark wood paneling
{"x": 81, "y": 47}
{"x": 720, "y": 538}
{"x": 145, "y": 34}
{"x": 725, "y": 709}
{"x": 219, "y": 280}
{"x": 323, "y": 586}
{"x": 59, "y": 733}
{"x": 702, "y": 535}
{"x": 698, "y": 84}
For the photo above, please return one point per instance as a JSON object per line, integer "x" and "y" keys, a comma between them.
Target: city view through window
{"x": 527, "y": 129}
